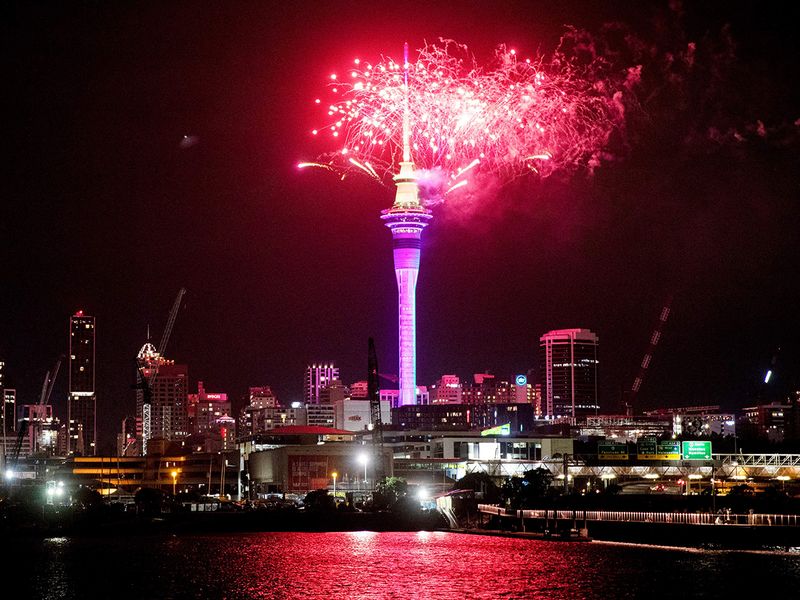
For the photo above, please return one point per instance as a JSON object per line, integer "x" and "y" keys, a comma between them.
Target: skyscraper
{"x": 318, "y": 376}
{"x": 406, "y": 219}
{"x": 168, "y": 411}
{"x": 82, "y": 402}
{"x": 568, "y": 372}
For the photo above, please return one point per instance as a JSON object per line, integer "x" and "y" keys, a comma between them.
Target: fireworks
{"x": 516, "y": 117}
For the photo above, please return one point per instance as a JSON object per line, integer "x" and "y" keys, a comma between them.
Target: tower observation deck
{"x": 406, "y": 219}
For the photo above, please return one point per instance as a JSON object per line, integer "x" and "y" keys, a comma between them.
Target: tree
{"x": 319, "y": 500}
{"x": 526, "y": 491}
{"x": 484, "y": 486}
{"x": 389, "y": 491}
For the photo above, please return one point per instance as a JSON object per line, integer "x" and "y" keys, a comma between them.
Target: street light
{"x": 334, "y": 475}
{"x": 363, "y": 458}
{"x": 174, "y": 480}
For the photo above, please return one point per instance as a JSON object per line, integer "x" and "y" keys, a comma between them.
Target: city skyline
{"x": 277, "y": 275}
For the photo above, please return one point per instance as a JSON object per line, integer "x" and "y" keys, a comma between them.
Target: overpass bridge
{"x": 731, "y": 469}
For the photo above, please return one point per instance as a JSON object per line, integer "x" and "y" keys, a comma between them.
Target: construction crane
{"x": 44, "y": 398}
{"x": 655, "y": 337}
{"x": 148, "y": 361}
{"x": 373, "y": 390}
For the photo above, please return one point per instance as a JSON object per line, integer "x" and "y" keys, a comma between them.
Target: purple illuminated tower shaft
{"x": 406, "y": 219}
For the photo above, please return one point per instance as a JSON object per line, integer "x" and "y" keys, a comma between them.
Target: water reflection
{"x": 367, "y": 565}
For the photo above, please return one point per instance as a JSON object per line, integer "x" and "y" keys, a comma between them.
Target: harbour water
{"x": 368, "y": 565}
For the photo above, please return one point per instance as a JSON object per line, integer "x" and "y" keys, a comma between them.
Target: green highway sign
{"x": 612, "y": 451}
{"x": 648, "y": 449}
{"x": 696, "y": 451}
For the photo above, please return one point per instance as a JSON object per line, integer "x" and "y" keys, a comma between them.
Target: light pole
{"x": 174, "y": 480}
{"x": 364, "y": 460}
{"x": 334, "y": 475}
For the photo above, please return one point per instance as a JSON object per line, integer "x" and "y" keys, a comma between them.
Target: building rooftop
{"x": 307, "y": 430}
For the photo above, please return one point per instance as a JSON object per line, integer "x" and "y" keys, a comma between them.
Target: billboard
{"x": 696, "y": 451}
{"x": 650, "y": 449}
{"x": 499, "y": 430}
{"x": 612, "y": 451}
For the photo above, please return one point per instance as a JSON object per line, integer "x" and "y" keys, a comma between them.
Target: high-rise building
{"x": 406, "y": 219}
{"x": 82, "y": 402}
{"x": 393, "y": 397}
{"x": 205, "y": 409}
{"x": 482, "y": 390}
{"x": 9, "y": 411}
{"x": 169, "y": 418}
{"x": 447, "y": 390}
{"x": 42, "y": 430}
{"x": 568, "y": 372}
{"x": 317, "y": 377}
{"x": 262, "y": 397}
{"x": 359, "y": 390}
{"x": 320, "y": 415}
{"x": 334, "y": 392}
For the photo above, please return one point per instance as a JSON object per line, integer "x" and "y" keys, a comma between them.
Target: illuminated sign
{"x": 499, "y": 430}
{"x": 522, "y": 380}
{"x": 611, "y": 451}
{"x": 649, "y": 449}
{"x": 696, "y": 451}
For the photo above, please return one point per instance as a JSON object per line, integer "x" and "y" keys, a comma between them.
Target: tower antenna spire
{"x": 407, "y": 196}
{"x": 406, "y": 124}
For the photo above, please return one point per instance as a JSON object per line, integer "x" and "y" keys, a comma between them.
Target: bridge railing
{"x": 675, "y": 518}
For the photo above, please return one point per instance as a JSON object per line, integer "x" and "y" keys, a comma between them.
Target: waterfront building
{"x": 317, "y": 377}
{"x": 568, "y": 372}
{"x": 296, "y": 460}
{"x": 82, "y": 401}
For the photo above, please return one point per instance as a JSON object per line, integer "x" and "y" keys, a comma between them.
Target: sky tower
{"x": 406, "y": 219}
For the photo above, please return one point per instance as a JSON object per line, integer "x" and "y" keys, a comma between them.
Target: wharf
{"x": 579, "y": 535}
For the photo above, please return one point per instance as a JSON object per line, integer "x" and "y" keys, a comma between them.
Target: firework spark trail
{"x": 517, "y": 117}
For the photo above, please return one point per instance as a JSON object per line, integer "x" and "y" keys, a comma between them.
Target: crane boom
{"x": 171, "y": 321}
{"x": 655, "y": 338}
{"x": 47, "y": 390}
{"x": 152, "y": 363}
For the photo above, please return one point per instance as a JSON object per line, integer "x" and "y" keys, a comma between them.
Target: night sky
{"x": 106, "y": 211}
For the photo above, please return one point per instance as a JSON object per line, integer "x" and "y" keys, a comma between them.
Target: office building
{"x": 82, "y": 401}
{"x": 447, "y": 390}
{"x": 166, "y": 418}
{"x": 317, "y": 377}
{"x": 568, "y": 373}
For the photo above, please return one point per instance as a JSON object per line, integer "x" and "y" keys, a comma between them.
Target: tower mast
{"x": 406, "y": 219}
